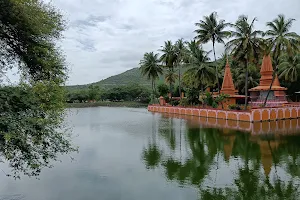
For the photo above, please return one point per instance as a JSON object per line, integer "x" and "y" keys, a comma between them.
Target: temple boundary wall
{"x": 253, "y": 115}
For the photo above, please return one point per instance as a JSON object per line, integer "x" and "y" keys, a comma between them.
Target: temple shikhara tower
{"x": 228, "y": 87}
{"x": 277, "y": 96}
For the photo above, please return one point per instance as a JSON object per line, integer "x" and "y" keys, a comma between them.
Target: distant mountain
{"x": 125, "y": 78}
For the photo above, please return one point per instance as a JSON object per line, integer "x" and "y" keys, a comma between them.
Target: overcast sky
{"x": 107, "y": 37}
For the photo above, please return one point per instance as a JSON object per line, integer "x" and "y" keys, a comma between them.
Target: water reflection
{"x": 225, "y": 163}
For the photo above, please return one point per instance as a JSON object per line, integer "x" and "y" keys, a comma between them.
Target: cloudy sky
{"x": 107, "y": 37}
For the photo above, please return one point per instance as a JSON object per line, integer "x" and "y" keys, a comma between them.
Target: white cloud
{"x": 106, "y": 37}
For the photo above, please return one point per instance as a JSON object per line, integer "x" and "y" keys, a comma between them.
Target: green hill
{"x": 125, "y": 78}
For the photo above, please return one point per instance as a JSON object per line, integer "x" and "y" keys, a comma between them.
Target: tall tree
{"x": 150, "y": 67}
{"x": 210, "y": 29}
{"x": 29, "y": 30}
{"x": 281, "y": 40}
{"x": 32, "y": 113}
{"x": 180, "y": 50}
{"x": 170, "y": 78}
{"x": 200, "y": 69}
{"x": 245, "y": 45}
{"x": 168, "y": 58}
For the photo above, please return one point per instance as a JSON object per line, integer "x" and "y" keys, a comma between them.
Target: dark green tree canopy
{"x": 28, "y": 32}
{"x": 32, "y": 113}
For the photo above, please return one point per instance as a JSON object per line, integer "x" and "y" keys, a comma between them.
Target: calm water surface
{"x": 131, "y": 154}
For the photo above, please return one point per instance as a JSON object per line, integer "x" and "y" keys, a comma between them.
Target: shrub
{"x": 184, "y": 102}
{"x": 234, "y": 107}
{"x": 174, "y": 102}
{"x": 167, "y": 99}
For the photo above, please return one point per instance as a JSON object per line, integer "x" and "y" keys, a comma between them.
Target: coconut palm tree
{"x": 170, "y": 78}
{"x": 210, "y": 29}
{"x": 245, "y": 45}
{"x": 282, "y": 40}
{"x": 181, "y": 51}
{"x": 150, "y": 67}
{"x": 289, "y": 67}
{"x": 200, "y": 69}
{"x": 168, "y": 58}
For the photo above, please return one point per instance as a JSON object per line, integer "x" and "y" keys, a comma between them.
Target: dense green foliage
{"x": 131, "y": 92}
{"x": 29, "y": 29}
{"x": 31, "y": 132}
{"x": 32, "y": 113}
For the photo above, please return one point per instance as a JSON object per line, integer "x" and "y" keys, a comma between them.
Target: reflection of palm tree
{"x": 151, "y": 156}
{"x": 288, "y": 153}
{"x": 246, "y": 149}
{"x": 167, "y": 131}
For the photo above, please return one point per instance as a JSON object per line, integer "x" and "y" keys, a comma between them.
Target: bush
{"x": 167, "y": 99}
{"x": 234, "y": 107}
{"x": 184, "y": 102}
{"x": 192, "y": 96}
{"x": 162, "y": 89}
{"x": 174, "y": 102}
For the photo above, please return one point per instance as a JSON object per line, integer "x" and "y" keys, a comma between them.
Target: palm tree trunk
{"x": 155, "y": 91}
{"x": 246, "y": 86}
{"x": 170, "y": 84}
{"x": 170, "y": 90}
{"x": 217, "y": 76}
{"x": 202, "y": 89}
{"x": 269, "y": 91}
{"x": 179, "y": 82}
{"x": 152, "y": 98}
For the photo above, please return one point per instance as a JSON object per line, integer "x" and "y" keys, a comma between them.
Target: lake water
{"x": 132, "y": 154}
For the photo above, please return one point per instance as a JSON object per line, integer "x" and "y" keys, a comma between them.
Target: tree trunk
{"x": 170, "y": 91}
{"x": 273, "y": 78}
{"x": 171, "y": 85}
{"x": 217, "y": 74}
{"x": 155, "y": 92}
{"x": 152, "y": 98}
{"x": 202, "y": 95}
{"x": 179, "y": 82}
{"x": 269, "y": 91}
{"x": 246, "y": 86}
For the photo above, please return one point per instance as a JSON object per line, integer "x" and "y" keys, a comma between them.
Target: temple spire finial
{"x": 227, "y": 62}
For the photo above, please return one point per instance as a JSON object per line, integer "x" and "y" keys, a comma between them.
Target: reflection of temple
{"x": 266, "y": 149}
{"x": 228, "y": 146}
{"x": 258, "y": 94}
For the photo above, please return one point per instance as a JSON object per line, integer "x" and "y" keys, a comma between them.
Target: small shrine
{"x": 277, "y": 96}
{"x": 228, "y": 88}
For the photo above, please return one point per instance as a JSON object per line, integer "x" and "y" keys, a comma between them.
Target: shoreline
{"x": 130, "y": 104}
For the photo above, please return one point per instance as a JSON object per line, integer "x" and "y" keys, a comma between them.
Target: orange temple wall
{"x": 253, "y": 115}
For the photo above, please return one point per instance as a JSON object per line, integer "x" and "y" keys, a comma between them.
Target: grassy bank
{"x": 130, "y": 104}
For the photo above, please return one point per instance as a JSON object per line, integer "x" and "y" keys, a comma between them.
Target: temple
{"x": 228, "y": 88}
{"x": 277, "y": 96}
